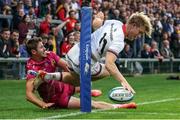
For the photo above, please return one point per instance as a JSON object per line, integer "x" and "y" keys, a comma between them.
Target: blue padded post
{"x": 85, "y": 59}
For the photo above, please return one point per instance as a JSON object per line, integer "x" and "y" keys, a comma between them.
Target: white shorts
{"x": 72, "y": 59}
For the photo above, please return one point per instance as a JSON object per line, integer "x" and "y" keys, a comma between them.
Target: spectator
{"x": 45, "y": 40}
{"x": 63, "y": 11}
{"x": 14, "y": 44}
{"x": 23, "y": 54}
{"x": 170, "y": 26}
{"x": 157, "y": 33}
{"x": 44, "y": 8}
{"x": 45, "y": 25}
{"x": 135, "y": 68}
{"x": 72, "y": 21}
{"x": 4, "y": 43}
{"x": 165, "y": 36}
{"x": 17, "y": 18}
{"x": 165, "y": 50}
{"x": 24, "y": 27}
{"x": 75, "y": 6}
{"x": 164, "y": 23}
{"x": 50, "y": 46}
{"x": 175, "y": 43}
{"x": 67, "y": 45}
{"x": 5, "y": 23}
{"x": 27, "y": 5}
{"x": 14, "y": 51}
{"x": 127, "y": 52}
{"x": 155, "y": 51}
{"x": 58, "y": 36}
{"x": 76, "y": 37}
{"x": 116, "y": 15}
{"x": 77, "y": 26}
{"x": 145, "y": 53}
{"x": 32, "y": 14}
{"x": 22, "y": 49}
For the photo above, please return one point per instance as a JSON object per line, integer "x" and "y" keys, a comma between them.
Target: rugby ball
{"x": 120, "y": 94}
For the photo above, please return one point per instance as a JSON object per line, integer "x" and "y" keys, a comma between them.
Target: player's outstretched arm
{"x": 113, "y": 70}
{"x": 31, "y": 97}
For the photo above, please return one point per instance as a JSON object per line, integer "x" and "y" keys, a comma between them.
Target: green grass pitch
{"x": 157, "y": 98}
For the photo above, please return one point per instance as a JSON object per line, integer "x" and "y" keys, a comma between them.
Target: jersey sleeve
{"x": 115, "y": 49}
{"x": 117, "y": 44}
{"x": 29, "y": 66}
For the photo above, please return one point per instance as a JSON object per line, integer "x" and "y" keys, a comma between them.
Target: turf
{"x": 157, "y": 98}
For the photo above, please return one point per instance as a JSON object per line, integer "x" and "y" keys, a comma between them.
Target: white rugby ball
{"x": 120, "y": 94}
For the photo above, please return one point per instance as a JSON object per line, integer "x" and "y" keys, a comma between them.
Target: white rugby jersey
{"x": 109, "y": 37}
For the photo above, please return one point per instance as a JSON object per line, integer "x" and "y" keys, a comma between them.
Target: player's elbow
{"x": 28, "y": 96}
{"x": 108, "y": 66}
{"x": 111, "y": 67}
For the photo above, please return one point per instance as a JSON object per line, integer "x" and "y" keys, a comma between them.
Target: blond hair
{"x": 141, "y": 20}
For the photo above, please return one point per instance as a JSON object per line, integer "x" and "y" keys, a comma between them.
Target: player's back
{"x": 110, "y": 36}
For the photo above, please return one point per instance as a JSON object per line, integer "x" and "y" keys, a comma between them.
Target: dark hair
{"x": 32, "y": 44}
{"x": 24, "y": 17}
{"x": 71, "y": 11}
{"x": 15, "y": 30}
{"x": 44, "y": 36}
{"x": 50, "y": 37}
{"x": 4, "y": 29}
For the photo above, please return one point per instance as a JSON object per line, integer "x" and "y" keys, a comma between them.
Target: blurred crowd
{"x": 61, "y": 36}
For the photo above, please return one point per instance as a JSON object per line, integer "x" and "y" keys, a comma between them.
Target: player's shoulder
{"x": 50, "y": 54}
{"x": 113, "y": 22}
{"x": 30, "y": 61}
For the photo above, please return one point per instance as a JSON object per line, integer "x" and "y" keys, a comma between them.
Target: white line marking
{"x": 140, "y": 113}
{"x": 159, "y": 101}
{"x": 101, "y": 110}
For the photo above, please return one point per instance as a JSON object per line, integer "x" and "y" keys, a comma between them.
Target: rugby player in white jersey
{"x": 108, "y": 41}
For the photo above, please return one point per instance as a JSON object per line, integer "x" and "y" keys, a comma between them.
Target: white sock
{"x": 53, "y": 76}
{"x": 116, "y": 106}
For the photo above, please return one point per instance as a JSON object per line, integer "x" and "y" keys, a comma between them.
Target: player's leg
{"x": 75, "y": 103}
{"x": 105, "y": 105}
{"x": 67, "y": 77}
{"x": 101, "y": 105}
{"x": 71, "y": 78}
{"x": 94, "y": 92}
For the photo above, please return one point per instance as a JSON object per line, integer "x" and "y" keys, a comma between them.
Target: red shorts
{"x": 61, "y": 99}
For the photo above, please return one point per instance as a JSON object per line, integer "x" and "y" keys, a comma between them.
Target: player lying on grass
{"x": 108, "y": 41}
{"x": 54, "y": 93}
